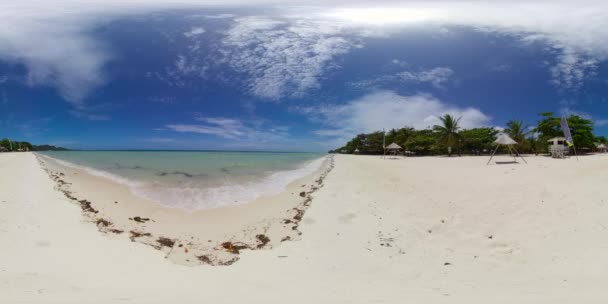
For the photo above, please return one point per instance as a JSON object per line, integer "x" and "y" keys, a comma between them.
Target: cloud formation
{"x": 288, "y": 51}
{"x": 233, "y": 129}
{"x": 387, "y": 110}
{"x": 194, "y": 31}
{"x": 282, "y": 58}
{"x": 437, "y": 77}
{"x": 576, "y": 30}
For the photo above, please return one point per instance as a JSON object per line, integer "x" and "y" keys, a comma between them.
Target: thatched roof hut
{"x": 393, "y": 146}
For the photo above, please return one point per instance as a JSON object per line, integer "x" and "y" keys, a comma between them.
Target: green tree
{"x": 26, "y": 146}
{"x": 548, "y": 127}
{"x": 582, "y": 132}
{"x": 373, "y": 143}
{"x": 535, "y": 145}
{"x": 354, "y": 144}
{"x": 580, "y": 128}
{"x": 517, "y": 131}
{"x": 447, "y": 131}
{"x": 601, "y": 139}
{"x": 5, "y": 143}
{"x": 422, "y": 142}
{"x": 476, "y": 140}
{"x": 399, "y": 136}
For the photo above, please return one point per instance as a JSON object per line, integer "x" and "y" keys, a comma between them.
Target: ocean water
{"x": 195, "y": 180}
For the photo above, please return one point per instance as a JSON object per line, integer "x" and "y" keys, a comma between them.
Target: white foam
{"x": 94, "y": 172}
{"x": 193, "y": 197}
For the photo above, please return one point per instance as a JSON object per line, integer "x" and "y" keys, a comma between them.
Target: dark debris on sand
{"x": 103, "y": 223}
{"x": 263, "y": 240}
{"x": 139, "y": 219}
{"x": 137, "y": 234}
{"x": 86, "y": 206}
{"x": 167, "y": 242}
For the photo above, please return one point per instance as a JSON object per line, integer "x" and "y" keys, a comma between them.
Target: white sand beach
{"x": 409, "y": 230}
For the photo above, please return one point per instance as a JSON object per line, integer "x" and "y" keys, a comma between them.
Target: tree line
{"x": 9, "y": 145}
{"x": 449, "y": 138}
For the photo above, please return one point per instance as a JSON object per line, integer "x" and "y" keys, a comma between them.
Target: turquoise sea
{"x": 195, "y": 180}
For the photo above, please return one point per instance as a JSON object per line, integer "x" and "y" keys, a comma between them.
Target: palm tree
{"x": 516, "y": 130}
{"x": 448, "y": 132}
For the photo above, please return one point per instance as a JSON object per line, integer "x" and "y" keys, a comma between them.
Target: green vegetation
{"x": 580, "y": 128}
{"x": 15, "y": 145}
{"x": 448, "y": 131}
{"x": 49, "y": 148}
{"x": 448, "y": 137}
{"x": 10, "y": 145}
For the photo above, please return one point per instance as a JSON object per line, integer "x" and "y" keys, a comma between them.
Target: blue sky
{"x": 303, "y": 76}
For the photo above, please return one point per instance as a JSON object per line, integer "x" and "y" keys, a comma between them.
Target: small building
{"x": 3, "y": 149}
{"x": 557, "y": 141}
{"x": 356, "y": 151}
{"x": 557, "y": 147}
{"x": 601, "y": 148}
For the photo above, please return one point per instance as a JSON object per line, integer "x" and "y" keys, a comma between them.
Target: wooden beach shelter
{"x": 505, "y": 140}
{"x": 393, "y": 148}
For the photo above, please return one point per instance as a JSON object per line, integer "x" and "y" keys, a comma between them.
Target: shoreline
{"x": 213, "y": 236}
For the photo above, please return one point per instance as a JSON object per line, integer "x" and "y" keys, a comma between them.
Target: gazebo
{"x": 505, "y": 140}
{"x": 601, "y": 148}
{"x": 393, "y": 148}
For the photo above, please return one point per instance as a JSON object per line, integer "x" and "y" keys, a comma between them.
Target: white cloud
{"x": 194, "y": 31}
{"x": 575, "y": 29}
{"x": 386, "y": 110}
{"x": 53, "y": 39}
{"x": 282, "y": 58}
{"x": 435, "y": 76}
{"x": 220, "y": 16}
{"x": 206, "y": 129}
{"x": 572, "y": 69}
{"x": 234, "y": 129}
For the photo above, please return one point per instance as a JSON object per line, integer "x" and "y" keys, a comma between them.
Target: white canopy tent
{"x": 505, "y": 140}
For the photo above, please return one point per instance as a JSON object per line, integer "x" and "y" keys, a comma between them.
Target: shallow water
{"x": 195, "y": 180}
